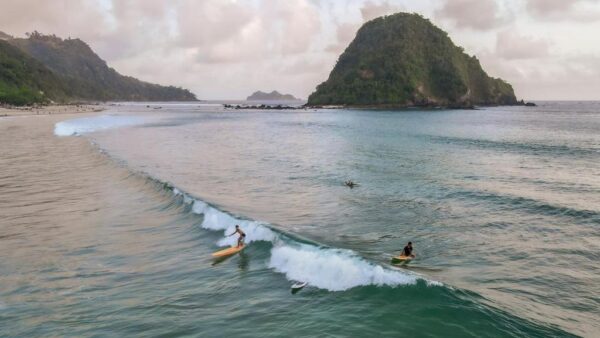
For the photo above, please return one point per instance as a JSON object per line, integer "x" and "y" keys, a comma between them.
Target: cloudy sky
{"x": 226, "y": 49}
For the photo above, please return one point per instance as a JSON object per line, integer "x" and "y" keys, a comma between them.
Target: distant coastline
{"x": 280, "y": 106}
{"x": 272, "y": 96}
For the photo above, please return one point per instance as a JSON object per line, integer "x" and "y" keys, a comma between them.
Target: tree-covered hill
{"x": 405, "y": 60}
{"x": 80, "y": 74}
{"x": 272, "y": 96}
{"x": 24, "y": 80}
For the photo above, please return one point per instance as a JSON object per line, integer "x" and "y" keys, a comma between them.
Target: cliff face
{"x": 86, "y": 76}
{"x": 404, "y": 60}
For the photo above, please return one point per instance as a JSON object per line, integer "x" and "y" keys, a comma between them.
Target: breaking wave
{"x": 84, "y": 125}
{"x": 322, "y": 267}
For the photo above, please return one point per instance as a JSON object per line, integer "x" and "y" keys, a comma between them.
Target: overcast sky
{"x": 224, "y": 49}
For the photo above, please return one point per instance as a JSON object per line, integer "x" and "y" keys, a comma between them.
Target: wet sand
{"x": 51, "y": 110}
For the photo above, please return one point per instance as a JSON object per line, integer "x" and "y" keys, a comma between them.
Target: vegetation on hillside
{"x": 24, "y": 80}
{"x": 272, "y": 96}
{"x": 70, "y": 70}
{"x": 404, "y": 60}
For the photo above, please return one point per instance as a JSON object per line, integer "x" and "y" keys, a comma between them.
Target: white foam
{"x": 332, "y": 269}
{"x": 91, "y": 124}
{"x": 215, "y": 219}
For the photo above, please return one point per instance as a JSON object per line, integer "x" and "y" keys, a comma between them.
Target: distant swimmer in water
{"x": 407, "y": 251}
{"x": 350, "y": 184}
{"x": 242, "y": 234}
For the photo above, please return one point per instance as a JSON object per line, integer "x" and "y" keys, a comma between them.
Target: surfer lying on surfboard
{"x": 242, "y": 235}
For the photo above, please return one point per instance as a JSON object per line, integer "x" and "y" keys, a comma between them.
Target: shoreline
{"x": 418, "y": 106}
{"x": 372, "y": 107}
{"x": 50, "y": 110}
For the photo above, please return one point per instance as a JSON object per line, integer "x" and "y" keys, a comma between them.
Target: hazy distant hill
{"x": 404, "y": 60}
{"x": 4, "y": 36}
{"x": 272, "y": 96}
{"x": 86, "y": 76}
{"x": 24, "y": 80}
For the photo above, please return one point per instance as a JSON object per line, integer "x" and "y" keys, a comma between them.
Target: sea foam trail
{"x": 84, "y": 125}
{"x": 215, "y": 219}
{"x": 332, "y": 269}
{"x": 325, "y": 268}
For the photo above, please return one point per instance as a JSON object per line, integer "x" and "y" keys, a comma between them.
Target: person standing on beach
{"x": 242, "y": 234}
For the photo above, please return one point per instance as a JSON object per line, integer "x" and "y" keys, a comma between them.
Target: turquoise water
{"x": 110, "y": 233}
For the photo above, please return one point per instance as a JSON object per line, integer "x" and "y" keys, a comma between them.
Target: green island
{"x": 272, "y": 96}
{"x": 404, "y": 60}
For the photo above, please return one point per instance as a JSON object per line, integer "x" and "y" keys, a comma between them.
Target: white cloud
{"x": 473, "y": 14}
{"x": 229, "y": 48}
{"x": 513, "y": 45}
{"x": 565, "y": 10}
{"x": 371, "y": 10}
{"x": 346, "y": 31}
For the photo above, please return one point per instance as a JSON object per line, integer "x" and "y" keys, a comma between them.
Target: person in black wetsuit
{"x": 242, "y": 235}
{"x": 407, "y": 251}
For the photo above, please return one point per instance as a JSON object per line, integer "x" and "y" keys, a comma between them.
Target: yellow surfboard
{"x": 228, "y": 251}
{"x": 402, "y": 259}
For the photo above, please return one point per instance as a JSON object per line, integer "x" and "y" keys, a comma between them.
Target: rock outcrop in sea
{"x": 404, "y": 60}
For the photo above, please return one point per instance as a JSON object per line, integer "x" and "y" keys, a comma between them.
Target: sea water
{"x": 108, "y": 222}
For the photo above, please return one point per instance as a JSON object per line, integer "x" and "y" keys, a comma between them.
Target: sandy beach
{"x": 51, "y": 110}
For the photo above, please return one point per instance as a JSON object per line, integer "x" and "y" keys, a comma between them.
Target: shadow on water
{"x": 244, "y": 261}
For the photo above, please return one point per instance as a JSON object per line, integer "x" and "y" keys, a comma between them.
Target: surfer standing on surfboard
{"x": 407, "y": 251}
{"x": 241, "y": 233}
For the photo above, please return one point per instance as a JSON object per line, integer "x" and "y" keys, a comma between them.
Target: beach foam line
{"x": 84, "y": 125}
{"x": 325, "y": 268}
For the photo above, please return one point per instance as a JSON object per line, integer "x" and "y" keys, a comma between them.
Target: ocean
{"x": 108, "y": 222}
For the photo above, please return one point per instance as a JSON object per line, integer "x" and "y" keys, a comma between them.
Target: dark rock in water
{"x": 403, "y": 60}
{"x": 262, "y": 106}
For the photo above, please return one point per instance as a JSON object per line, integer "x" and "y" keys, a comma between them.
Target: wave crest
{"x": 325, "y": 268}
{"x": 332, "y": 269}
{"x": 84, "y": 125}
